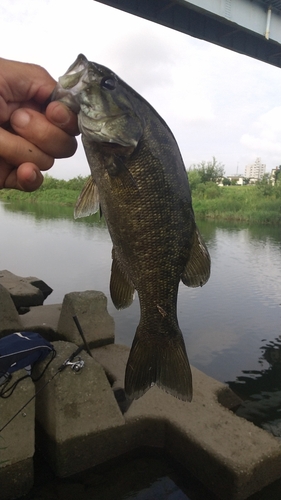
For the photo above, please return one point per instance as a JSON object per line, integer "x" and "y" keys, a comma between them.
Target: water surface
{"x": 231, "y": 326}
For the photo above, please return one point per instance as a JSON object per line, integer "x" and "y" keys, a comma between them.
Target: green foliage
{"x": 253, "y": 203}
{"x": 75, "y": 184}
{"x": 277, "y": 175}
{"x": 226, "y": 181}
{"x": 207, "y": 191}
{"x": 277, "y": 190}
{"x": 208, "y": 171}
{"x": 241, "y": 203}
{"x": 194, "y": 178}
{"x": 49, "y": 183}
{"x": 264, "y": 186}
{"x": 53, "y": 190}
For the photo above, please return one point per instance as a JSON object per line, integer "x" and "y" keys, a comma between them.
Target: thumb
{"x": 61, "y": 116}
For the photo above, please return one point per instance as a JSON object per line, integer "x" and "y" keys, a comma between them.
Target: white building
{"x": 237, "y": 178}
{"x": 255, "y": 171}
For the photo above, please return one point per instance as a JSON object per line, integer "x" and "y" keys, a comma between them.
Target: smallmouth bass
{"x": 139, "y": 180}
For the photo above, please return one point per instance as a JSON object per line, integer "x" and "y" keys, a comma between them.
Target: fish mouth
{"x": 103, "y": 116}
{"x": 72, "y": 83}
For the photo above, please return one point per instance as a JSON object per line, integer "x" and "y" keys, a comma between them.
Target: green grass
{"x": 238, "y": 203}
{"x": 252, "y": 204}
{"x": 57, "y": 191}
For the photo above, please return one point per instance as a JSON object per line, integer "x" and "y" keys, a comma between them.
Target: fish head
{"x": 108, "y": 111}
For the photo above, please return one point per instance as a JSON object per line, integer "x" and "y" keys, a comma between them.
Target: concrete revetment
{"x": 83, "y": 419}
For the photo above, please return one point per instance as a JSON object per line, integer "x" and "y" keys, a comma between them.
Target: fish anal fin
{"x": 121, "y": 288}
{"x": 88, "y": 202}
{"x": 198, "y": 267}
{"x": 158, "y": 360}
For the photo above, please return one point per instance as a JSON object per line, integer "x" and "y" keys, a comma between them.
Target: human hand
{"x": 30, "y": 140}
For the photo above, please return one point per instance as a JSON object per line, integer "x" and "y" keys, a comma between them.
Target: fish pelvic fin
{"x": 88, "y": 202}
{"x": 154, "y": 360}
{"x": 121, "y": 288}
{"x": 198, "y": 268}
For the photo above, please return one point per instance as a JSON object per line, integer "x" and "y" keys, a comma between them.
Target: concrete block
{"x": 17, "y": 440}
{"x": 91, "y": 309}
{"x": 43, "y": 287}
{"x": 75, "y": 411}
{"x": 22, "y": 292}
{"x": 9, "y": 318}
{"x": 230, "y": 455}
{"x": 16, "y": 480}
{"x": 43, "y": 320}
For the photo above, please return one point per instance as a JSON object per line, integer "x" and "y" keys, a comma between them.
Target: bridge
{"x": 250, "y": 27}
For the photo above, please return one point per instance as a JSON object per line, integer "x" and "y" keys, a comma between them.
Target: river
{"x": 231, "y": 326}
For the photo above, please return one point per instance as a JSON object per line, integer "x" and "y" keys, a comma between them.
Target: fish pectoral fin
{"x": 88, "y": 202}
{"x": 121, "y": 289}
{"x": 197, "y": 270}
{"x": 160, "y": 360}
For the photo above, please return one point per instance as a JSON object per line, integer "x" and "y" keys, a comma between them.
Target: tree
{"x": 277, "y": 175}
{"x": 194, "y": 179}
{"x": 264, "y": 185}
{"x": 209, "y": 171}
{"x": 226, "y": 181}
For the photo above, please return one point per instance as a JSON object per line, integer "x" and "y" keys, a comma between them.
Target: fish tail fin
{"x": 158, "y": 360}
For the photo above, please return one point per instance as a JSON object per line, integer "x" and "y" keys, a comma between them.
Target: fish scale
{"x": 140, "y": 182}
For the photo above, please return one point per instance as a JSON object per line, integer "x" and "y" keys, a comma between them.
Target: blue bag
{"x": 22, "y": 350}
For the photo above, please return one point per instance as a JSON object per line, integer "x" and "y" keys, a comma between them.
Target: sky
{"x": 217, "y": 103}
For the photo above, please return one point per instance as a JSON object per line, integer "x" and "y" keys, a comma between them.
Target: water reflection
{"x": 261, "y": 389}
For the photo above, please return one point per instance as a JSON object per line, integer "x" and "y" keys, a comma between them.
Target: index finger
{"x": 38, "y": 130}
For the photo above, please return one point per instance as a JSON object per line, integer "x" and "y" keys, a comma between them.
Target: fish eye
{"x": 108, "y": 83}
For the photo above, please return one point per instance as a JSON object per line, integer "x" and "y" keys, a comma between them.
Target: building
{"x": 236, "y": 179}
{"x": 275, "y": 175}
{"x": 255, "y": 171}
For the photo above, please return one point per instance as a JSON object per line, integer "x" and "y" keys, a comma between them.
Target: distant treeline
{"x": 254, "y": 203}
{"x": 52, "y": 190}
{"x": 259, "y": 203}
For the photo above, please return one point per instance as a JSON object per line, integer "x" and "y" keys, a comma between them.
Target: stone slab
{"x": 230, "y": 455}
{"x": 43, "y": 320}
{"x": 17, "y": 440}
{"x": 16, "y": 480}
{"x": 43, "y": 287}
{"x": 90, "y": 307}
{"x": 21, "y": 291}
{"x": 72, "y": 409}
{"x": 9, "y": 318}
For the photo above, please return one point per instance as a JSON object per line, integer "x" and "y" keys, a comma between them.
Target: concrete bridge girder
{"x": 250, "y": 27}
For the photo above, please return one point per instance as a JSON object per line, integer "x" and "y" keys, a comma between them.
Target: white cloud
{"x": 264, "y": 138}
{"x": 217, "y": 103}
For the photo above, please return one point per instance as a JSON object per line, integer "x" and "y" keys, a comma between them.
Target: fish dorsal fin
{"x": 88, "y": 202}
{"x": 197, "y": 270}
{"x": 121, "y": 288}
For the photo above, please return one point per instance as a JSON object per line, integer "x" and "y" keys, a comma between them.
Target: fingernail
{"x": 20, "y": 118}
{"x": 32, "y": 177}
{"x": 61, "y": 115}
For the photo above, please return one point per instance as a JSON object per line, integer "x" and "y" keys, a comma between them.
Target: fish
{"x": 139, "y": 183}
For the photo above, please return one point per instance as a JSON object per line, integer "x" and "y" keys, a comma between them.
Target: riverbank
{"x": 238, "y": 203}
{"x": 251, "y": 204}
{"x": 54, "y": 191}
